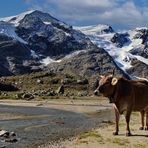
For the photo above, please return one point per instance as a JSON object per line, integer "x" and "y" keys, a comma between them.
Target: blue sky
{"x": 121, "y": 14}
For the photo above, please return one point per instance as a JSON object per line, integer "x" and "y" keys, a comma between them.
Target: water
{"x": 35, "y": 126}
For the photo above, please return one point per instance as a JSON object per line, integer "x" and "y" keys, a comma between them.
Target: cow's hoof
{"x": 141, "y": 128}
{"x": 146, "y": 128}
{"x": 128, "y": 134}
{"x": 115, "y": 133}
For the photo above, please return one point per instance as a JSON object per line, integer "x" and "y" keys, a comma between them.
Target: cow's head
{"x": 107, "y": 87}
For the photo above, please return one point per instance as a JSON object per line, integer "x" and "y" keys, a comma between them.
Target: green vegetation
{"x": 119, "y": 141}
{"x": 44, "y": 85}
{"x": 140, "y": 145}
{"x": 91, "y": 134}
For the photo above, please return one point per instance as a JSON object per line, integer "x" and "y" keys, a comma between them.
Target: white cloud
{"x": 84, "y": 4}
{"x": 122, "y": 13}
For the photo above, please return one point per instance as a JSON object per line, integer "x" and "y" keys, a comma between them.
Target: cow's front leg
{"x": 117, "y": 116}
{"x": 146, "y": 128}
{"x": 142, "y": 119}
{"x": 127, "y": 117}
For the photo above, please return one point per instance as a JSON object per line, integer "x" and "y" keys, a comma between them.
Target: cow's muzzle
{"x": 111, "y": 100}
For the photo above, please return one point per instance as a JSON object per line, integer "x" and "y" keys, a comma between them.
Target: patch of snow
{"x": 140, "y": 28}
{"x": 34, "y": 54}
{"x": 92, "y": 30}
{"x": 11, "y": 65}
{"x": 67, "y": 34}
{"x": 16, "y": 19}
{"x": 9, "y": 30}
{"x": 47, "y": 23}
{"x": 48, "y": 60}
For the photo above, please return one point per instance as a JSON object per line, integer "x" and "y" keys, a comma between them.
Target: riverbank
{"x": 38, "y": 123}
{"x": 68, "y": 123}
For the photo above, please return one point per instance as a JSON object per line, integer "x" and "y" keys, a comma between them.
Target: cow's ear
{"x": 114, "y": 81}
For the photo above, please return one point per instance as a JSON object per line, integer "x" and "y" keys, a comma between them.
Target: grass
{"x": 91, "y": 134}
{"x": 49, "y": 81}
{"x": 119, "y": 141}
{"x": 8, "y": 97}
{"x": 140, "y": 145}
{"x": 83, "y": 141}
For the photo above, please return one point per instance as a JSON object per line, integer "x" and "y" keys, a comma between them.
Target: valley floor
{"x": 102, "y": 137}
{"x": 68, "y": 123}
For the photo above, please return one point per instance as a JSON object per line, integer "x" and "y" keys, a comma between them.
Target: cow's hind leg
{"x": 117, "y": 116}
{"x": 142, "y": 120}
{"x": 146, "y": 128}
{"x": 127, "y": 117}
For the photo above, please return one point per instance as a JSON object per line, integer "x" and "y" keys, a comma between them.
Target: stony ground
{"x": 102, "y": 137}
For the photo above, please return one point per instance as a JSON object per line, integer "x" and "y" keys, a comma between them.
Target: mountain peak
{"x": 15, "y": 19}
{"x": 45, "y": 17}
{"x": 96, "y": 29}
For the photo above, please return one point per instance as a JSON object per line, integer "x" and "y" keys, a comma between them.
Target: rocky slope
{"x": 87, "y": 63}
{"x": 15, "y": 57}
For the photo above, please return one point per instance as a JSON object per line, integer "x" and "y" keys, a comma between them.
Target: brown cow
{"x": 127, "y": 95}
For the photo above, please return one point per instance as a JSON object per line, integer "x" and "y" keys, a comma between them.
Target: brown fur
{"x": 127, "y": 95}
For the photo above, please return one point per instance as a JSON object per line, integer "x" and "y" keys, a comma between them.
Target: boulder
{"x": 4, "y": 133}
{"x": 82, "y": 81}
{"x": 51, "y": 93}
{"x": 39, "y": 81}
{"x": 28, "y": 96}
{"x": 83, "y": 94}
{"x": 60, "y": 90}
{"x": 7, "y": 87}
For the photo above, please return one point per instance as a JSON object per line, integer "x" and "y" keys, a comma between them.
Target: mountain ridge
{"x": 49, "y": 40}
{"x": 126, "y": 47}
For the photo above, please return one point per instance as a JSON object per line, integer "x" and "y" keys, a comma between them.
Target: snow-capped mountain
{"x": 39, "y": 30}
{"x": 45, "y": 39}
{"x": 128, "y": 48}
{"x": 32, "y": 40}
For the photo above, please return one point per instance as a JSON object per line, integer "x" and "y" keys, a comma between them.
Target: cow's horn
{"x": 100, "y": 76}
{"x": 113, "y": 73}
{"x": 114, "y": 81}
